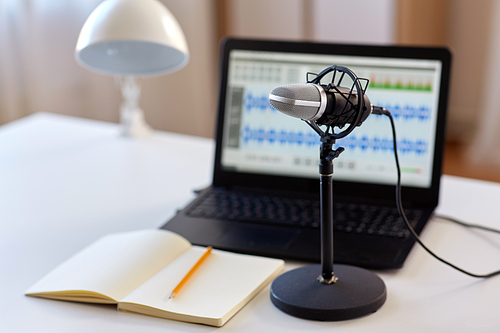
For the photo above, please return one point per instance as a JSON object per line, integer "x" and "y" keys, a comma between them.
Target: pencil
{"x": 191, "y": 271}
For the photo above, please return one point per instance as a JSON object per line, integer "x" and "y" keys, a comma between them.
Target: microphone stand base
{"x": 357, "y": 292}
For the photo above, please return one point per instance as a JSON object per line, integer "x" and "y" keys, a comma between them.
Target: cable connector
{"x": 380, "y": 110}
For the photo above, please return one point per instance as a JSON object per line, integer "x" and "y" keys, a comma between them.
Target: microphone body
{"x": 313, "y": 102}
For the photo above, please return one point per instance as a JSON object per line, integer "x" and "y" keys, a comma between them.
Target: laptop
{"x": 264, "y": 199}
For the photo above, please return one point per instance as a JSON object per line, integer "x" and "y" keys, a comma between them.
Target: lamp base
{"x": 357, "y": 292}
{"x": 133, "y": 123}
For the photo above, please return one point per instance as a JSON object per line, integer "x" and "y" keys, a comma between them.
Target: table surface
{"x": 64, "y": 182}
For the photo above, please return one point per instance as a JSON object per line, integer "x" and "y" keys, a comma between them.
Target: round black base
{"x": 357, "y": 292}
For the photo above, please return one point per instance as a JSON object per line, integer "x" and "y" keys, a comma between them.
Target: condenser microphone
{"x": 314, "y": 102}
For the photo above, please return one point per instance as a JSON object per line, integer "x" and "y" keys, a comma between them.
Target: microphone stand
{"x": 327, "y": 155}
{"x": 350, "y": 293}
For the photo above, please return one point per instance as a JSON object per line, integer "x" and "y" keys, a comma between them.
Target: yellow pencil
{"x": 191, "y": 271}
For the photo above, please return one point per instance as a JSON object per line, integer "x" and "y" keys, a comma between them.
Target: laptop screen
{"x": 257, "y": 139}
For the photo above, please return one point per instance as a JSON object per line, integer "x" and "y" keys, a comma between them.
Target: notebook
{"x": 137, "y": 271}
{"x": 265, "y": 190}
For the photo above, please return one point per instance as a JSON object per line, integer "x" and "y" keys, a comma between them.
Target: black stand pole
{"x": 327, "y": 154}
{"x": 349, "y": 293}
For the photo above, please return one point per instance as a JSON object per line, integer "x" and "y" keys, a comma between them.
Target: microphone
{"x": 335, "y": 107}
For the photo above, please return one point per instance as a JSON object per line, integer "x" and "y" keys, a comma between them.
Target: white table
{"x": 64, "y": 182}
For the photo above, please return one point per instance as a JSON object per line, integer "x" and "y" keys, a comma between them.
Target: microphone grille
{"x": 300, "y": 92}
{"x": 305, "y": 92}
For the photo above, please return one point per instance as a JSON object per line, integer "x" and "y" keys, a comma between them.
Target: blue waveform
{"x": 364, "y": 143}
{"x": 409, "y": 112}
{"x": 382, "y": 144}
{"x": 257, "y": 102}
{"x": 279, "y": 137}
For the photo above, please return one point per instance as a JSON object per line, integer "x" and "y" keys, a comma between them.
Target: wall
{"x": 271, "y": 19}
{"x": 185, "y": 101}
{"x": 469, "y": 37}
{"x": 485, "y": 147}
{"x": 354, "y": 21}
{"x": 319, "y": 20}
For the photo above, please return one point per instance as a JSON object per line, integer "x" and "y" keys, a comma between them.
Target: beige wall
{"x": 465, "y": 27}
{"x": 422, "y": 22}
{"x": 317, "y": 20}
{"x": 269, "y": 19}
{"x": 469, "y": 34}
{"x": 185, "y": 101}
{"x": 353, "y": 21}
{"x": 485, "y": 147}
{"x": 472, "y": 31}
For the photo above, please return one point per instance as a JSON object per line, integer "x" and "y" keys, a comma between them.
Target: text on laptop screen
{"x": 259, "y": 139}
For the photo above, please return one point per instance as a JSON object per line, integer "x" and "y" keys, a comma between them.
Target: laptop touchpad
{"x": 257, "y": 237}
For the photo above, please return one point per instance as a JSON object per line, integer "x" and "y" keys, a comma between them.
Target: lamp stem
{"x": 131, "y": 115}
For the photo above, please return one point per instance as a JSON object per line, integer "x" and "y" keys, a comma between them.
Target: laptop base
{"x": 295, "y": 242}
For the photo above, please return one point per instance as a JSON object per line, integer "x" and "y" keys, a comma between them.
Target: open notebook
{"x": 138, "y": 271}
{"x": 264, "y": 196}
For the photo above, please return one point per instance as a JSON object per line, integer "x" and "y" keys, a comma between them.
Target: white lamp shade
{"x": 131, "y": 37}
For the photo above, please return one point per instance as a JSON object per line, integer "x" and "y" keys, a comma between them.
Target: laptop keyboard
{"x": 277, "y": 210}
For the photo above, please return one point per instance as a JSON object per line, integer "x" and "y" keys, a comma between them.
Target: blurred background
{"x": 38, "y": 71}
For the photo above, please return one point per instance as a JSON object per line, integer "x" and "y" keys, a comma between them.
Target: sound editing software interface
{"x": 259, "y": 139}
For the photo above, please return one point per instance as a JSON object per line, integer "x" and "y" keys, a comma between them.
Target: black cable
{"x": 399, "y": 205}
{"x": 467, "y": 225}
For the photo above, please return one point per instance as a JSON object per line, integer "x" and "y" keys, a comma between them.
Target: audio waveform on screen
{"x": 411, "y": 83}
{"x": 400, "y": 86}
{"x": 383, "y": 144}
{"x": 259, "y": 102}
{"x": 363, "y": 143}
{"x": 408, "y": 112}
{"x": 279, "y": 137}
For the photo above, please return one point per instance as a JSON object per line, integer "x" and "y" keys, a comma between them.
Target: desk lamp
{"x": 130, "y": 39}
